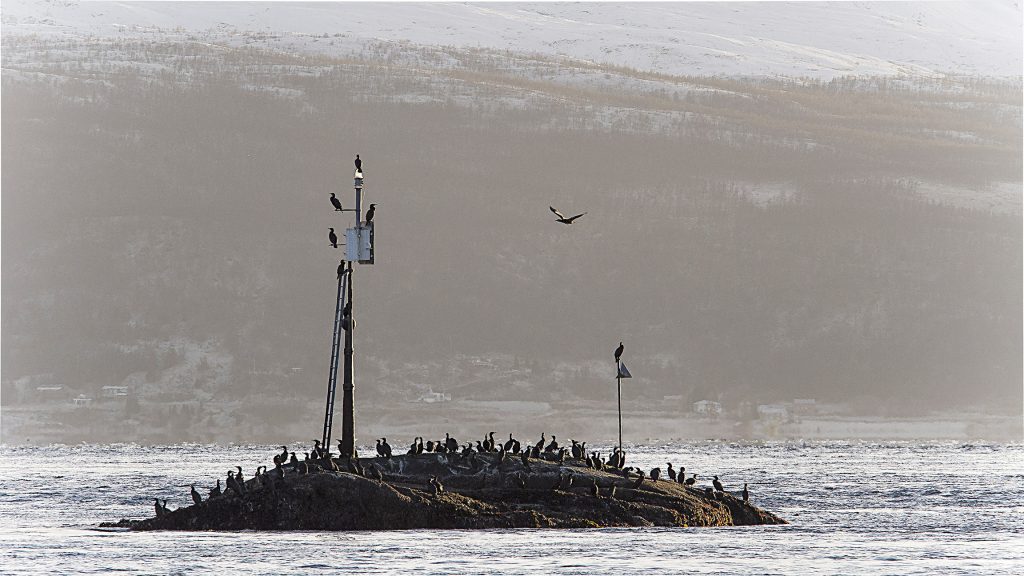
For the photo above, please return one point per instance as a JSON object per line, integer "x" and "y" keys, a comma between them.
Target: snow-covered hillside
{"x": 817, "y": 39}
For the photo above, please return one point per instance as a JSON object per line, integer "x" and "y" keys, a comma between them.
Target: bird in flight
{"x": 335, "y": 202}
{"x": 562, "y": 218}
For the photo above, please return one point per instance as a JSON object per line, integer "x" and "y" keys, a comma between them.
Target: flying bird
{"x": 333, "y": 238}
{"x": 562, "y": 218}
{"x": 369, "y": 213}
{"x": 618, "y": 352}
{"x": 336, "y": 202}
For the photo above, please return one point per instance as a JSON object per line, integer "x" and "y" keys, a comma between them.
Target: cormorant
{"x": 526, "y": 462}
{"x": 655, "y": 474}
{"x": 618, "y": 352}
{"x": 746, "y": 495}
{"x": 480, "y": 447}
{"x": 380, "y": 451}
{"x": 215, "y": 491}
{"x": 691, "y": 480}
{"x": 709, "y": 492}
{"x": 540, "y": 445}
{"x": 333, "y": 238}
{"x": 590, "y": 462}
{"x": 196, "y": 498}
{"x": 594, "y": 490}
{"x": 376, "y": 474}
{"x": 639, "y": 480}
{"x": 561, "y": 455}
{"x": 305, "y": 457}
{"x": 166, "y": 511}
{"x": 682, "y": 474}
{"x": 419, "y": 447}
{"x": 284, "y": 454}
{"x": 511, "y": 442}
{"x": 335, "y": 202}
{"x": 490, "y": 440}
{"x": 412, "y": 448}
{"x": 159, "y": 509}
{"x": 577, "y": 451}
{"x": 552, "y": 446}
{"x": 385, "y": 447}
{"x": 451, "y": 444}
{"x": 562, "y": 218}
{"x": 437, "y": 486}
{"x": 717, "y": 485}
{"x": 359, "y": 164}
{"x": 293, "y": 461}
{"x": 516, "y": 447}
{"x": 430, "y": 446}
{"x": 318, "y": 452}
{"x": 671, "y": 472}
{"x": 369, "y": 213}
{"x": 239, "y": 478}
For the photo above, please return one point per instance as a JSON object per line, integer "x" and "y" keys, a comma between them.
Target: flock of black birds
{"x": 318, "y": 460}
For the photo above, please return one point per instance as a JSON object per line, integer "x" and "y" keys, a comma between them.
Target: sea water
{"x": 853, "y": 508}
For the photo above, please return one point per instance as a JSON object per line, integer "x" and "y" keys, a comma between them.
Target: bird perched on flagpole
{"x": 618, "y": 352}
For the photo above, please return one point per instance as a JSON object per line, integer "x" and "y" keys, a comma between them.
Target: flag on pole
{"x": 623, "y": 373}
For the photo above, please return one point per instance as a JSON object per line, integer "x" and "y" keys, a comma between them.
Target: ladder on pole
{"x": 332, "y": 378}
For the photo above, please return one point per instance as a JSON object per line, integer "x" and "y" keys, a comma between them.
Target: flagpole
{"x": 618, "y": 385}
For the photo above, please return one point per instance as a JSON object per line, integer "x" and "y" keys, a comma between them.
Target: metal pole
{"x": 618, "y": 384}
{"x": 347, "y": 404}
{"x": 332, "y": 376}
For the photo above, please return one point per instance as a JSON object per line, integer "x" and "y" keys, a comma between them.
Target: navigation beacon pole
{"x": 618, "y": 384}
{"x": 358, "y": 248}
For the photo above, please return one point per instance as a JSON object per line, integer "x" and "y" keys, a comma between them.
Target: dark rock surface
{"x": 480, "y": 491}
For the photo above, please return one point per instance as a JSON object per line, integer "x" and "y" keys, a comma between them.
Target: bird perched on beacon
{"x": 618, "y": 351}
{"x": 369, "y": 213}
{"x": 359, "y": 164}
{"x": 562, "y": 218}
{"x": 333, "y": 238}
{"x": 336, "y": 203}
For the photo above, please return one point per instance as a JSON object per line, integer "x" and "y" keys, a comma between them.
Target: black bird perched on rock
{"x": 562, "y": 218}
{"x": 682, "y": 474}
{"x": 335, "y": 202}
{"x": 333, "y": 238}
{"x": 385, "y": 447}
{"x": 376, "y": 474}
{"x": 552, "y": 446}
{"x": 196, "y": 498}
{"x": 577, "y": 451}
{"x": 283, "y": 457}
{"x": 369, "y": 213}
{"x": 526, "y": 462}
{"x": 540, "y": 445}
{"x": 671, "y": 472}
{"x": 639, "y": 480}
{"x": 215, "y": 491}
{"x": 437, "y": 486}
{"x": 160, "y": 511}
{"x": 293, "y": 461}
{"x": 746, "y": 495}
{"x": 359, "y": 164}
{"x": 511, "y": 442}
{"x": 717, "y": 485}
{"x": 451, "y": 444}
{"x": 655, "y": 474}
{"x": 618, "y": 352}
{"x": 709, "y": 492}
{"x": 419, "y": 447}
{"x": 691, "y": 480}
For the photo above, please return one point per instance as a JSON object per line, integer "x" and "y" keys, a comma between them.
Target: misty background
{"x": 855, "y": 241}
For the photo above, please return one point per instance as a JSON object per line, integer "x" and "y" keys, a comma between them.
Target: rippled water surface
{"x": 854, "y": 508}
